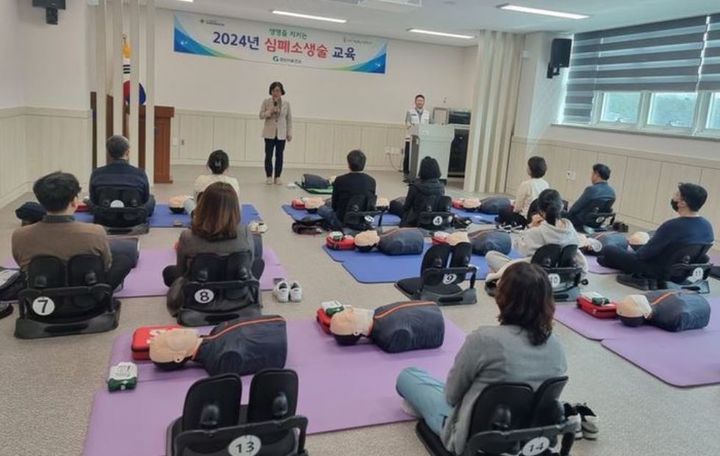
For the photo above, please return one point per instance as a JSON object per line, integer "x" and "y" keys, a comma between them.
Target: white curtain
{"x": 499, "y": 58}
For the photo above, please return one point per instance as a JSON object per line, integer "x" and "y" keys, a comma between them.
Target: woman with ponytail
{"x": 218, "y": 163}
{"x": 546, "y": 227}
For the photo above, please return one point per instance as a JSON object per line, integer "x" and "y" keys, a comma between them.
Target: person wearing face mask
{"x": 689, "y": 228}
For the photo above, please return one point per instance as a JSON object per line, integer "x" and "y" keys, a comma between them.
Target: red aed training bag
{"x": 608, "y": 310}
{"x": 141, "y": 340}
{"x": 340, "y": 242}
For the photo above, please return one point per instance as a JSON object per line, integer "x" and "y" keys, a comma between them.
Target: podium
{"x": 428, "y": 140}
{"x": 163, "y": 114}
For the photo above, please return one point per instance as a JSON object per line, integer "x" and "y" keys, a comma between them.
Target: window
{"x": 672, "y": 109}
{"x": 714, "y": 114}
{"x": 620, "y": 107}
{"x": 661, "y": 76}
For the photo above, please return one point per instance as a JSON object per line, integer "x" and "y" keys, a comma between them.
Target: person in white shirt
{"x": 546, "y": 227}
{"x": 527, "y": 192}
{"x": 218, "y": 163}
{"x": 415, "y": 116}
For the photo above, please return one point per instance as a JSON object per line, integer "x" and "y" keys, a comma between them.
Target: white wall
{"x": 11, "y": 71}
{"x": 55, "y": 57}
{"x": 213, "y": 84}
{"x": 44, "y": 95}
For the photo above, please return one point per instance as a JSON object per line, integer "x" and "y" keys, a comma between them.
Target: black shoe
{"x": 572, "y": 415}
{"x": 6, "y": 309}
{"x": 590, "y": 429}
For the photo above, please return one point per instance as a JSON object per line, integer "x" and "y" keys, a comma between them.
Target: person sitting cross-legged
{"x": 215, "y": 228}
{"x": 59, "y": 235}
{"x": 600, "y": 189}
{"x": 345, "y": 187}
{"x": 522, "y": 349}
{"x": 689, "y": 228}
{"x": 120, "y": 173}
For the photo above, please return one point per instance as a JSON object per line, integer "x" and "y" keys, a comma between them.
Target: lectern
{"x": 163, "y": 114}
{"x": 430, "y": 140}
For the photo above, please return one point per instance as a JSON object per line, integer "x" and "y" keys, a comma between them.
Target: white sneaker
{"x": 269, "y": 181}
{"x": 295, "y": 291}
{"x": 594, "y": 245}
{"x": 257, "y": 227}
{"x": 282, "y": 291}
{"x": 278, "y": 181}
{"x": 409, "y": 409}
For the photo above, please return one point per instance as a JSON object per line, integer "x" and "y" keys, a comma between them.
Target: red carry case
{"x": 457, "y": 203}
{"x": 335, "y": 242}
{"x": 297, "y": 203}
{"x": 141, "y": 340}
{"x": 597, "y": 310}
{"x": 323, "y": 320}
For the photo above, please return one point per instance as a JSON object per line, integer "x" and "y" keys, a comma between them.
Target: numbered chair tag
{"x": 437, "y": 220}
{"x": 43, "y": 306}
{"x": 554, "y": 280}
{"x": 536, "y": 446}
{"x": 204, "y": 296}
{"x": 245, "y": 445}
{"x": 697, "y": 275}
{"x": 369, "y": 218}
{"x": 599, "y": 220}
{"x": 449, "y": 278}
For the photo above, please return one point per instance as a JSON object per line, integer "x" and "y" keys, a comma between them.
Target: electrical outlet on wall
{"x": 571, "y": 175}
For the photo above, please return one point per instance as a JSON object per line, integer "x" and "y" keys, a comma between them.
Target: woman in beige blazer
{"x": 277, "y": 129}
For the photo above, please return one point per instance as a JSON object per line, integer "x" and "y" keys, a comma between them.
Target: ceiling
{"x": 460, "y": 16}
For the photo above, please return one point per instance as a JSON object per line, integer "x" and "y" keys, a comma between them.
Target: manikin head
{"x": 172, "y": 348}
{"x": 350, "y": 324}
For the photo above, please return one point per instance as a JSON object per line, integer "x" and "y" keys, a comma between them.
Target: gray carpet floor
{"x": 46, "y": 386}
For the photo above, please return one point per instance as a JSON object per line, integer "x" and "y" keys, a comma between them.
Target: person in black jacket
{"x": 428, "y": 184}
{"x": 356, "y": 182}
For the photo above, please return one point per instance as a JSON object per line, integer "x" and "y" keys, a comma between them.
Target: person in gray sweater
{"x": 215, "y": 229}
{"x": 547, "y": 227}
{"x": 522, "y": 349}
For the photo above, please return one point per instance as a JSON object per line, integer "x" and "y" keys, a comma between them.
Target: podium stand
{"x": 163, "y": 114}
{"x": 434, "y": 141}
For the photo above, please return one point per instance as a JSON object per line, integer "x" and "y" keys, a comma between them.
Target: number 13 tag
{"x": 245, "y": 445}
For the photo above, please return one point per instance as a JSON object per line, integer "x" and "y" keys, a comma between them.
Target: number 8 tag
{"x": 245, "y": 445}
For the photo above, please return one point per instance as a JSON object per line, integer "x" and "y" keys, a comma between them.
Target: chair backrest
{"x": 678, "y": 260}
{"x": 554, "y": 256}
{"x": 360, "y": 211}
{"x": 212, "y": 403}
{"x": 513, "y": 406}
{"x": 597, "y": 212}
{"x": 212, "y": 423}
{"x": 67, "y": 287}
{"x": 446, "y": 265}
{"x": 129, "y": 196}
{"x": 435, "y": 213}
{"x": 273, "y": 395}
{"x": 222, "y": 282}
{"x": 547, "y": 408}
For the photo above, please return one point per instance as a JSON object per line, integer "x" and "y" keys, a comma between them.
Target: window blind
{"x": 661, "y": 56}
{"x": 710, "y": 71}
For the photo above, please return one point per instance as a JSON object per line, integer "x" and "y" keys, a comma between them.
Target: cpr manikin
{"x": 242, "y": 346}
{"x": 670, "y": 310}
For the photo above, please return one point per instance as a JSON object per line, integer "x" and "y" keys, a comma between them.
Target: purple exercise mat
{"x": 601, "y": 329}
{"x": 690, "y": 358}
{"x": 340, "y": 388}
{"x": 595, "y": 268}
{"x": 146, "y": 279}
{"x": 377, "y": 267}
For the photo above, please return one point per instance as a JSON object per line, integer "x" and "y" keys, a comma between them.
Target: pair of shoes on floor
{"x": 285, "y": 291}
{"x": 276, "y": 181}
{"x": 588, "y": 428}
{"x": 257, "y": 227}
